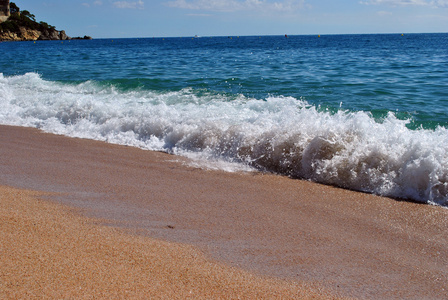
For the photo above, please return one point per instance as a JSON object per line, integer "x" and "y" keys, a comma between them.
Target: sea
{"x": 362, "y": 112}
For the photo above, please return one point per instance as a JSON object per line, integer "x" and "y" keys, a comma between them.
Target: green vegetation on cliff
{"x": 23, "y": 19}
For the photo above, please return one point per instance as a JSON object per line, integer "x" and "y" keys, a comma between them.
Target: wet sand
{"x": 306, "y": 237}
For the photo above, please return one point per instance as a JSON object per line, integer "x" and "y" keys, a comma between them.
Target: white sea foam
{"x": 278, "y": 134}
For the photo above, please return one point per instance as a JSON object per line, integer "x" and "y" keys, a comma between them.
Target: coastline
{"x": 351, "y": 243}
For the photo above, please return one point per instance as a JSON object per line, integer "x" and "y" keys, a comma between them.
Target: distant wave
{"x": 278, "y": 134}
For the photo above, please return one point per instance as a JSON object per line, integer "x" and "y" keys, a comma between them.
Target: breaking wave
{"x": 284, "y": 135}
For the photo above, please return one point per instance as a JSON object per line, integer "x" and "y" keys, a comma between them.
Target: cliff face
{"x": 27, "y": 34}
{"x": 23, "y": 35}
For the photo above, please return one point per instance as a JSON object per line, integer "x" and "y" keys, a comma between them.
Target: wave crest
{"x": 278, "y": 134}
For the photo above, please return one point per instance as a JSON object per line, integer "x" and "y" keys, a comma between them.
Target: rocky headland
{"x": 22, "y": 26}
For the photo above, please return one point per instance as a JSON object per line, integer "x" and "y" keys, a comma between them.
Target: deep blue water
{"x": 365, "y": 112}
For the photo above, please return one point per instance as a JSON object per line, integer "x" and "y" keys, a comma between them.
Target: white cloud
{"x": 237, "y": 5}
{"x": 96, "y": 3}
{"x": 432, "y": 3}
{"x": 440, "y": 3}
{"x": 199, "y": 15}
{"x": 129, "y": 4}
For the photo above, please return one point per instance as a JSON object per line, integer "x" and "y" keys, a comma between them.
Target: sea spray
{"x": 279, "y": 134}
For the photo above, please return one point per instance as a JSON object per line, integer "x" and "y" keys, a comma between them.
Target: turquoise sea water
{"x": 364, "y": 112}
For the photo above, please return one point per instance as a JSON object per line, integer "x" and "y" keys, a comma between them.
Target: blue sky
{"x": 175, "y": 18}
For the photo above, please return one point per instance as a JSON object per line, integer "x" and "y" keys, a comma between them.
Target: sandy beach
{"x": 83, "y": 219}
{"x": 50, "y": 252}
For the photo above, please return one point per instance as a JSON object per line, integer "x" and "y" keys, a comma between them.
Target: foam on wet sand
{"x": 120, "y": 221}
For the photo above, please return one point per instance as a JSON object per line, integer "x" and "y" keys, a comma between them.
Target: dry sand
{"x": 49, "y": 252}
{"x": 317, "y": 239}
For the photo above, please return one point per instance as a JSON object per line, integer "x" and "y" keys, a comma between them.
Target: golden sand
{"x": 48, "y": 251}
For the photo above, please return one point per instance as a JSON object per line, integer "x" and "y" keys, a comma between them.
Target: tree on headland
{"x": 13, "y": 8}
{"x": 45, "y": 25}
{"x": 29, "y": 15}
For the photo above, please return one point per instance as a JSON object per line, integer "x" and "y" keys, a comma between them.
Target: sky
{"x": 177, "y": 18}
